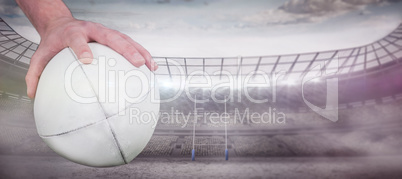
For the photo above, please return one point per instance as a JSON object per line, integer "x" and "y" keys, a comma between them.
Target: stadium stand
{"x": 159, "y": 146}
{"x": 363, "y": 127}
{"x": 19, "y": 138}
{"x": 259, "y": 146}
{"x": 314, "y": 145}
{"x": 204, "y": 146}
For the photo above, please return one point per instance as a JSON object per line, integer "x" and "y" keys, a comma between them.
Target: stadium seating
{"x": 259, "y": 146}
{"x": 159, "y": 146}
{"x": 204, "y": 146}
{"x": 18, "y": 134}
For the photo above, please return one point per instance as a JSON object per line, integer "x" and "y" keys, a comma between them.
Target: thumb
{"x": 82, "y": 50}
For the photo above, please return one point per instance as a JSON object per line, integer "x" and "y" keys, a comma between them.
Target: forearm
{"x": 42, "y": 13}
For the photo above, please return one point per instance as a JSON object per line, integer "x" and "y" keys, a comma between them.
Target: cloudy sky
{"x": 233, "y": 27}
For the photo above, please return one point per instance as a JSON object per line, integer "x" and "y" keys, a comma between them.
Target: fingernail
{"x": 155, "y": 66}
{"x": 85, "y": 58}
{"x": 28, "y": 93}
{"x": 139, "y": 59}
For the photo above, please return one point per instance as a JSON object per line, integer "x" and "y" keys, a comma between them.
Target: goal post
{"x": 194, "y": 144}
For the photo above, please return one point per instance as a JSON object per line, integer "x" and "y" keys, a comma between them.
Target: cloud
{"x": 303, "y": 11}
{"x": 316, "y": 7}
{"x": 364, "y": 2}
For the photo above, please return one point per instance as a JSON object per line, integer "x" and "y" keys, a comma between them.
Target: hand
{"x": 69, "y": 32}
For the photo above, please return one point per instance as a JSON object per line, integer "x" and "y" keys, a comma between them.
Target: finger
{"x": 39, "y": 60}
{"x": 149, "y": 61}
{"x": 79, "y": 44}
{"x": 114, "y": 40}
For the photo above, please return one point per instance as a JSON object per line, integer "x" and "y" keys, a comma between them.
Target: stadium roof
{"x": 18, "y": 50}
{"x": 375, "y": 56}
{"x": 361, "y": 61}
{"x": 14, "y": 48}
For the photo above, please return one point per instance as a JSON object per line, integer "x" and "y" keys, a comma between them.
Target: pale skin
{"x": 58, "y": 29}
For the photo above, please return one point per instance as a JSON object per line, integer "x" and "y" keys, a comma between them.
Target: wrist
{"x": 44, "y": 14}
{"x": 53, "y": 23}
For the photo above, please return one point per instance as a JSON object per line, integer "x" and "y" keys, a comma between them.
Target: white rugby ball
{"x": 100, "y": 114}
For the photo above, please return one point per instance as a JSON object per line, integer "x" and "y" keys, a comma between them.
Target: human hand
{"x": 70, "y": 32}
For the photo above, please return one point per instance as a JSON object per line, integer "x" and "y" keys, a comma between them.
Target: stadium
{"x": 364, "y": 141}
